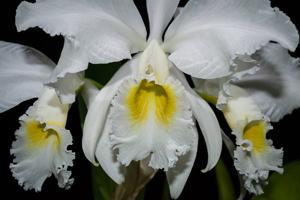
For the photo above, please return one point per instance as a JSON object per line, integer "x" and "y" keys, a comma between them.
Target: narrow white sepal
{"x": 98, "y": 111}
{"x": 210, "y": 128}
{"x": 206, "y": 119}
{"x": 23, "y": 70}
{"x": 89, "y": 91}
{"x": 160, "y": 14}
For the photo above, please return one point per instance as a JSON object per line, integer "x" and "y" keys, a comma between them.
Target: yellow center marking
{"x": 256, "y": 133}
{"x": 37, "y": 137}
{"x": 147, "y": 98}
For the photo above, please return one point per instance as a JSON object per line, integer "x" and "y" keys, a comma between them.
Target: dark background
{"x": 199, "y": 186}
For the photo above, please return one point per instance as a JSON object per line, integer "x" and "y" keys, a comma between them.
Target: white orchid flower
{"x": 265, "y": 91}
{"x": 147, "y": 111}
{"x": 147, "y": 108}
{"x": 202, "y": 41}
{"x": 40, "y": 149}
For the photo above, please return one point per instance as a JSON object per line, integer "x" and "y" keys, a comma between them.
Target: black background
{"x": 199, "y": 186}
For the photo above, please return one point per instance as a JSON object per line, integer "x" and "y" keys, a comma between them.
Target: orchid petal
{"x": 107, "y": 158}
{"x": 41, "y": 144}
{"x": 164, "y": 132}
{"x": 89, "y": 92}
{"x": 178, "y": 175}
{"x": 207, "y": 121}
{"x": 210, "y": 128}
{"x": 66, "y": 87}
{"x": 23, "y": 70}
{"x": 105, "y": 31}
{"x": 98, "y": 111}
{"x": 207, "y": 35}
{"x": 275, "y": 87}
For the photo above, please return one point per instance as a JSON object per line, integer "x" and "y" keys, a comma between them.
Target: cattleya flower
{"x": 147, "y": 112}
{"x": 40, "y": 149}
{"x": 264, "y": 92}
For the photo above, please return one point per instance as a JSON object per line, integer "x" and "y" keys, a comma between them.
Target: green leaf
{"x": 225, "y": 185}
{"x": 102, "y": 73}
{"x": 82, "y": 110}
{"x": 103, "y": 186}
{"x": 283, "y": 186}
{"x": 166, "y": 191}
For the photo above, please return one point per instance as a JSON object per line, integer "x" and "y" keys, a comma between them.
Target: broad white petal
{"x": 23, "y": 70}
{"x": 178, "y": 175}
{"x": 107, "y": 157}
{"x": 201, "y": 57}
{"x": 207, "y": 35}
{"x": 151, "y": 120}
{"x": 41, "y": 146}
{"x": 98, "y": 110}
{"x": 105, "y": 31}
{"x": 275, "y": 88}
{"x": 160, "y": 14}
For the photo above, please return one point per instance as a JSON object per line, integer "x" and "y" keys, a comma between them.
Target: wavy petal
{"x": 160, "y": 14}
{"x": 98, "y": 110}
{"x": 254, "y": 156}
{"x": 106, "y": 31}
{"x": 207, "y": 35}
{"x": 255, "y": 168}
{"x": 23, "y": 70}
{"x": 43, "y": 139}
{"x": 178, "y": 175}
{"x": 157, "y": 126}
{"x": 275, "y": 88}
